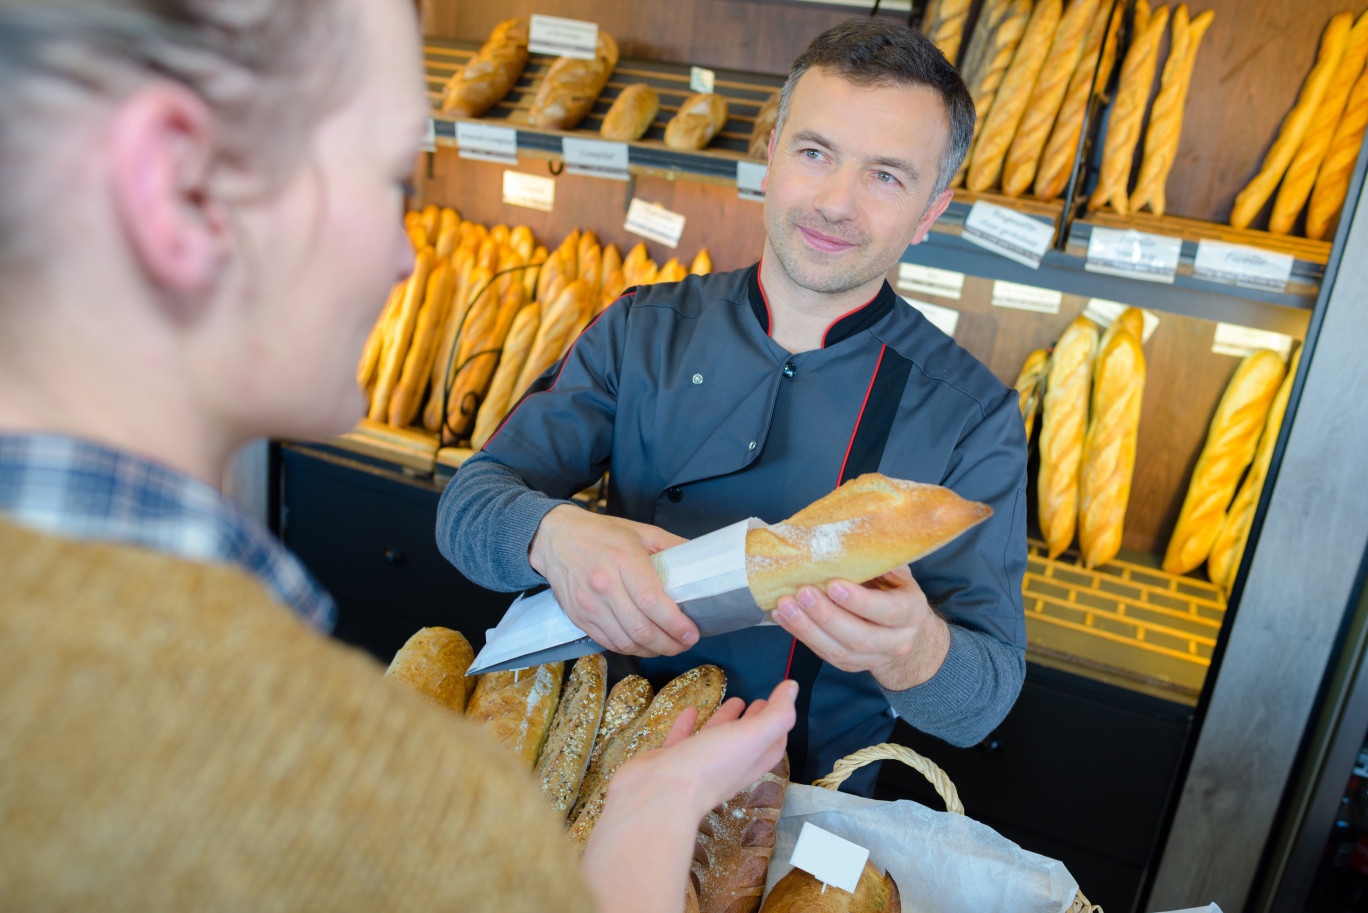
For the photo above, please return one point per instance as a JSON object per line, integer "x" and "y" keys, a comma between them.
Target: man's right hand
{"x": 600, "y": 569}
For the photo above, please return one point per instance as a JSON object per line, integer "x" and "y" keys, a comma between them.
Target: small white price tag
{"x": 1026, "y": 297}
{"x": 830, "y": 859}
{"x": 1240, "y": 341}
{"x": 654, "y": 222}
{"x": 563, "y": 37}
{"x": 1247, "y": 266}
{"x": 530, "y": 190}
{"x": 595, "y": 158}
{"x": 487, "y": 142}
{"x": 701, "y": 79}
{"x": 749, "y": 176}
{"x": 942, "y": 318}
{"x": 1102, "y": 312}
{"x": 927, "y": 280}
{"x": 1209, "y": 908}
{"x": 1008, "y": 233}
{"x": 430, "y": 137}
{"x": 1133, "y": 254}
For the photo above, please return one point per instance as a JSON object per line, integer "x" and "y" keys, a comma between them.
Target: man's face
{"x": 850, "y": 179}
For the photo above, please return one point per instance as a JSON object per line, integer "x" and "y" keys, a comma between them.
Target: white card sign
{"x": 563, "y": 37}
{"x": 595, "y": 158}
{"x": 942, "y": 318}
{"x": 487, "y": 142}
{"x": 927, "y": 280}
{"x": 530, "y": 190}
{"x": 1026, "y": 297}
{"x": 830, "y": 859}
{"x": 429, "y": 143}
{"x": 1239, "y": 341}
{"x": 1133, "y": 254}
{"x": 1008, "y": 233}
{"x": 1247, "y": 266}
{"x": 701, "y": 79}
{"x": 1102, "y": 312}
{"x": 749, "y": 177}
{"x": 654, "y": 222}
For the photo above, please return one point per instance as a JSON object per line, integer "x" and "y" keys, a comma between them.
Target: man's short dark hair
{"x": 871, "y": 51}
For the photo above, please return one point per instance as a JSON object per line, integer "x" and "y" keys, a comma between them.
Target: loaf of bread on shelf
{"x": 734, "y": 845}
{"x": 765, "y": 119}
{"x": 572, "y": 308}
{"x": 427, "y": 331}
{"x": 866, "y": 527}
{"x": 1228, "y": 451}
{"x": 477, "y": 360}
{"x": 702, "y": 263}
{"x": 370, "y": 355}
{"x": 632, "y": 113}
{"x": 697, "y": 121}
{"x": 943, "y": 22}
{"x": 628, "y": 700}
{"x": 1332, "y": 181}
{"x": 570, "y": 740}
{"x": 399, "y": 337}
{"x": 433, "y": 663}
{"x": 1001, "y": 23}
{"x": 516, "y": 707}
{"x": 502, "y": 393}
{"x": 672, "y": 271}
{"x": 490, "y": 73}
{"x": 571, "y": 86}
{"x": 1030, "y": 386}
{"x": 1062, "y": 426}
{"x": 1298, "y": 121}
{"x": 799, "y": 892}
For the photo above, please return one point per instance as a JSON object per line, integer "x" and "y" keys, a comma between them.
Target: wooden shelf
{"x": 1303, "y": 249}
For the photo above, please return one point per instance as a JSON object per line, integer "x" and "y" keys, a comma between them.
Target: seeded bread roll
{"x": 494, "y": 69}
{"x": 571, "y": 86}
{"x": 867, "y": 527}
{"x": 516, "y": 707}
{"x": 433, "y": 662}
{"x": 1061, "y": 432}
{"x": 571, "y": 737}
{"x": 698, "y": 120}
{"x": 632, "y": 113}
{"x": 734, "y": 845}
{"x": 765, "y": 119}
{"x": 799, "y": 892}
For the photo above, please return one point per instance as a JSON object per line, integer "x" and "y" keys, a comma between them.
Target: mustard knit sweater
{"x": 173, "y": 739}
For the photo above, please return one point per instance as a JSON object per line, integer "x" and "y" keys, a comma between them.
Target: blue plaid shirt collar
{"x": 77, "y": 489}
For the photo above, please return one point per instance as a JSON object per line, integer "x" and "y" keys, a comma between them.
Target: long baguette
{"x": 570, "y": 309}
{"x": 375, "y": 342}
{"x": 1029, "y": 385}
{"x": 1332, "y": 183}
{"x": 990, "y": 53}
{"x": 433, "y": 663}
{"x": 560, "y": 769}
{"x": 629, "y": 697}
{"x": 480, "y": 292}
{"x": 1062, "y": 427}
{"x": 501, "y": 389}
{"x": 417, "y": 370}
{"x": 1056, "y": 162}
{"x": 943, "y": 22}
{"x": 397, "y": 341}
{"x": 478, "y": 361}
{"x": 516, "y": 707}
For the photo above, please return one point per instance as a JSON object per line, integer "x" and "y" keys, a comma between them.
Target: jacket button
{"x": 789, "y": 369}
{"x": 674, "y": 494}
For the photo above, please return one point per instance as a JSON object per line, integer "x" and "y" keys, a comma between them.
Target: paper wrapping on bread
{"x": 866, "y": 528}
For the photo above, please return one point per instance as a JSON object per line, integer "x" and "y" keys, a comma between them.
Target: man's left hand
{"x": 885, "y": 627}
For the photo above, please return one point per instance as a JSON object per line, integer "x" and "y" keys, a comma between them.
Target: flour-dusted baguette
{"x": 571, "y": 86}
{"x": 1062, "y": 427}
{"x": 433, "y": 663}
{"x": 697, "y": 121}
{"x": 943, "y": 22}
{"x": 500, "y": 397}
{"x": 490, "y": 73}
{"x": 991, "y": 50}
{"x": 1229, "y": 448}
{"x": 799, "y": 892}
{"x": 1030, "y": 385}
{"x": 765, "y": 119}
{"x": 865, "y": 528}
{"x": 1091, "y": 75}
{"x": 629, "y": 697}
{"x": 516, "y": 707}
{"x": 401, "y": 335}
{"x": 427, "y": 331}
{"x": 571, "y": 737}
{"x": 632, "y": 113}
{"x": 734, "y": 845}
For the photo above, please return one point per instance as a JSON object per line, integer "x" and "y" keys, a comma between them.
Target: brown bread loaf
{"x": 571, "y": 308}
{"x": 1062, "y": 426}
{"x": 1298, "y": 121}
{"x": 433, "y": 663}
{"x": 865, "y": 528}
{"x": 414, "y": 377}
{"x": 734, "y": 845}
{"x": 490, "y": 73}
{"x": 632, "y": 113}
{"x": 943, "y": 22}
{"x": 571, "y": 737}
{"x": 375, "y": 342}
{"x": 1029, "y": 387}
{"x": 502, "y": 394}
{"x": 1229, "y": 448}
{"x": 765, "y": 118}
{"x": 571, "y": 86}
{"x": 799, "y": 892}
{"x": 397, "y": 341}
{"x": 516, "y": 707}
{"x": 629, "y": 697}
{"x": 994, "y": 43}
{"x": 1332, "y": 181}
{"x": 698, "y": 120}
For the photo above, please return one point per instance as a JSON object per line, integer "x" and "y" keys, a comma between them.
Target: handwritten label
{"x": 429, "y": 143}
{"x": 654, "y": 222}
{"x": 830, "y": 859}
{"x": 1026, "y": 297}
{"x": 1246, "y": 266}
{"x": 595, "y": 158}
{"x": 701, "y": 79}
{"x": 749, "y": 177}
{"x": 530, "y": 190}
{"x": 1133, "y": 254}
{"x": 1102, "y": 312}
{"x": 563, "y": 37}
{"x": 1008, "y": 233}
{"x": 1239, "y": 341}
{"x": 942, "y": 318}
{"x": 487, "y": 142}
{"x": 927, "y": 280}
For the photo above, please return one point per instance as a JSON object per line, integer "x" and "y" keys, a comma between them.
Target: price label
{"x": 1026, "y": 297}
{"x": 701, "y": 79}
{"x": 1133, "y": 254}
{"x": 595, "y": 158}
{"x": 563, "y": 37}
{"x": 487, "y": 142}
{"x": 430, "y": 137}
{"x": 530, "y": 190}
{"x": 1102, "y": 312}
{"x": 942, "y": 318}
{"x": 1246, "y": 266}
{"x": 654, "y": 222}
{"x": 830, "y": 859}
{"x": 1240, "y": 341}
{"x": 1008, "y": 233}
{"x": 927, "y": 280}
{"x": 749, "y": 177}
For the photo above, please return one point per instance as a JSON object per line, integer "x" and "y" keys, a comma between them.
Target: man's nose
{"x": 836, "y": 198}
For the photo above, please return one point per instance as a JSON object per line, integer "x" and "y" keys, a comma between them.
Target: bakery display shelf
{"x": 1311, "y": 255}
{"x": 1125, "y": 622}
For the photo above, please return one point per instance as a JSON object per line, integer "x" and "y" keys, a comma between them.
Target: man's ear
{"x": 769, "y": 159}
{"x": 161, "y": 154}
{"x": 931, "y": 214}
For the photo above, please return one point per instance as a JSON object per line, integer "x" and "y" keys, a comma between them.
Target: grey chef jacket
{"x": 701, "y": 420}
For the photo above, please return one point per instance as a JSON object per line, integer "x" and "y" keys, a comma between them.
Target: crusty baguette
{"x": 632, "y": 113}
{"x": 610, "y": 261}
{"x": 629, "y": 697}
{"x": 1062, "y": 426}
{"x": 516, "y": 707}
{"x": 427, "y": 331}
{"x": 991, "y": 50}
{"x": 799, "y": 892}
{"x": 573, "y": 307}
{"x": 734, "y": 845}
{"x": 490, "y": 73}
{"x": 943, "y": 22}
{"x": 1009, "y": 103}
{"x": 613, "y": 285}
{"x": 1229, "y": 448}
{"x": 702, "y": 263}
{"x": 1098, "y": 57}
{"x": 430, "y": 218}
{"x": 765, "y": 118}
{"x": 865, "y": 528}
{"x": 1029, "y": 387}
{"x": 697, "y": 121}
{"x": 397, "y": 341}
{"x": 635, "y": 261}
{"x": 478, "y": 360}
{"x": 531, "y": 275}
{"x": 672, "y": 271}
{"x": 571, "y": 86}
{"x": 375, "y": 342}
{"x": 571, "y": 737}
{"x": 499, "y": 399}
{"x": 702, "y": 687}
{"x": 478, "y": 293}
{"x": 1298, "y": 121}
{"x": 433, "y": 663}
{"x": 521, "y": 240}
{"x": 1332, "y": 181}
{"x": 591, "y": 267}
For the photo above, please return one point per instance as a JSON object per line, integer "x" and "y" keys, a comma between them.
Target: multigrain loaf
{"x": 516, "y": 707}
{"x": 570, "y": 740}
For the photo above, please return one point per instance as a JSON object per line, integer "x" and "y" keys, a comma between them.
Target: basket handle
{"x": 887, "y": 751}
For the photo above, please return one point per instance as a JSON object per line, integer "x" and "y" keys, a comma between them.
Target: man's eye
{"x": 812, "y": 154}
{"x": 884, "y": 177}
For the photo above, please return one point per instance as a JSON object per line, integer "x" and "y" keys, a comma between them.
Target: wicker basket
{"x": 938, "y": 779}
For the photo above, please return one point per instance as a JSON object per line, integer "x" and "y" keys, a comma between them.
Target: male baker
{"x": 753, "y": 393}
